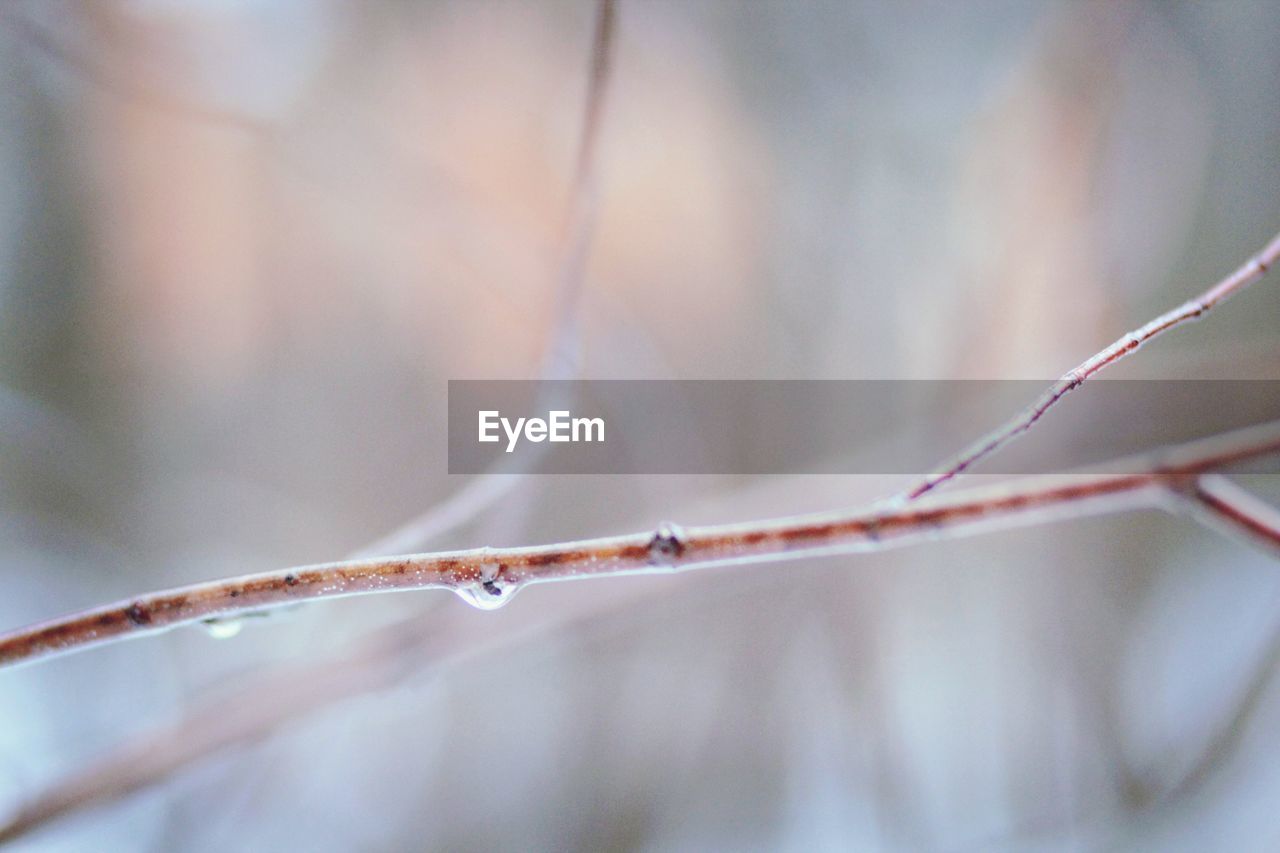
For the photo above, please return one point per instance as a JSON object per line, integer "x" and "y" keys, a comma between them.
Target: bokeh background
{"x": 244, "y": 244}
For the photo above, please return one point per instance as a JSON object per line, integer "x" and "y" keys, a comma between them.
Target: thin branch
{"x": 1223, "y": 505}
{"x": 379, "y": 660}
{"x": 142, "y": 92}
{"x": 1249, "y": 272}
{"x": 579, "y": 223}
{"x": 560, "y": 359}
{"x": 1227, "y": 507}
{"x": 488, "y": 577}
{"x": 218, "y": 725}
{"x": 1226, "y": 739}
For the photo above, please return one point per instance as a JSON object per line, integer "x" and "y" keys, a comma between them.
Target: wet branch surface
{"x": 383, "y": 658}
{"x": 488, "y": 577}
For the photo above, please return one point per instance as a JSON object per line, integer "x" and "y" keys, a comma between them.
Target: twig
{"x": 1249, "y": 272}
{"x": 579, "y": 223}
{"x": 218, "y": 725}
{"x": 1223, "y": 505}
{"x": 560, "y": 359}
{"x": 1226, "y": 739}
{"x": 488, "y": 577}
{"x": 142, "y": 92}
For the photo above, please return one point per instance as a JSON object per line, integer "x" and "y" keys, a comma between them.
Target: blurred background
{"x": 245, "y": 243}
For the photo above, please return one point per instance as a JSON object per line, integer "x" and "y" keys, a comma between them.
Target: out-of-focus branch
{"x": 1226, "y": 738}
{"x": 1225, "y": 506}
{"x": 382, "y": 657}
{"x": 488, "y": 577}
{"x": 258, "y": 705}
{"x": 560, "y": 358}
{"x": 140, "y": 91}
{"x": 225, "y": 722}
{"x": 1249, "y": 272}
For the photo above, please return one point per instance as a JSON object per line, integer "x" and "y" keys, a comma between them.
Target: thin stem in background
{"x": 140, "y": 91}
{"x": 1224, "y": 505}
{"x": 383, "y": 656}
{"x": 560, "y": 359}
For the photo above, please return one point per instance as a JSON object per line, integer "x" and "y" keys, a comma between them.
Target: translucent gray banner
{"x": 833, "y": 427}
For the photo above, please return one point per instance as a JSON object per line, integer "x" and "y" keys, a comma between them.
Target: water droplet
{"x": 490, "y": 591}
{"x": 223, "y": 629}
{"x": 667, "y": 544}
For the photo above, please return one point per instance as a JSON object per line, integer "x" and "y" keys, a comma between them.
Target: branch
{"x": 560, "y": 359}
{"x": 105, "y": 77}
{"x": 379, "y": 660}
{"x": 134, "y": 766}
{"x": 1225, "y": 506}
{"x": 1249, "y": 272}
{"x": 256, "y": 706}
{"x": 489, "y": 577}
{"x": 1225, "y": 741}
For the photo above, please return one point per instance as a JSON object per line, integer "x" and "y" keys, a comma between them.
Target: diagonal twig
{"x": 1249, "y": 272}
{"x": 140, "y": 91}
{"x": 560, "y": 359}
{"x": 1227, "y": 507}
